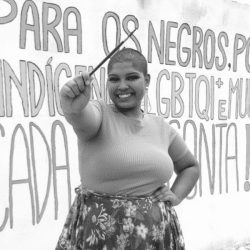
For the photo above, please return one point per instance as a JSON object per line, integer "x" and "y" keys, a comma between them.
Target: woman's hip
{"x": 100, "y": 221}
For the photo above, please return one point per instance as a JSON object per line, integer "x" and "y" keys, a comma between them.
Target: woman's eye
{"x": 132, "y": 78}
{"x": 113, "y": 79}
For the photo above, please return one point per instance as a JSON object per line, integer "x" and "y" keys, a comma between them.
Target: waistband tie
{"x": 87, "y": 192}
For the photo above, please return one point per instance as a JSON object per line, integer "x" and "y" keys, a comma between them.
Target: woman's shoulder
{"x": 105, "y": 108}
{"x": 99, "y": 103}
{"x": 162, "y": 124}
{"x": 158, "y": 119}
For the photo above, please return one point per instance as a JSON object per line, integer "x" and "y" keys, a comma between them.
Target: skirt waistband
{"x": 110, "y": 223}
{"x": 88, "y": 192}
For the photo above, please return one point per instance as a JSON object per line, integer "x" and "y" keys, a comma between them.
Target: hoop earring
{"x": 146, "y": 102}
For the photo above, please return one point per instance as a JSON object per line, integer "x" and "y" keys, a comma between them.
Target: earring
{"x": 146, "y": 102}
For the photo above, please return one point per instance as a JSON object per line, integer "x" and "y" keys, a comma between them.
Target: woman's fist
{"x": 75, "y": 94}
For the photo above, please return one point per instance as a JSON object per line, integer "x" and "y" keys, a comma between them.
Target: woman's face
{"x": 126, "y": 86}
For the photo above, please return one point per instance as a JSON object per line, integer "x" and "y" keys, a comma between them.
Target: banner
{"x": 198, "y": 58}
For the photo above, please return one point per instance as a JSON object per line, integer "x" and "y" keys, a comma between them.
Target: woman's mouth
{"x": 124, "y": 96}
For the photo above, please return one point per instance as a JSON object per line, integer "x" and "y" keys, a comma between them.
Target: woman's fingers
{"x": 166, "y": 195}
{"x": 76, "y": 86}
{"x": 86, "y": 78}
{"x": 67, "y": 90}
{"x": 73, "y": 89}
{"x": 82, "y": 81}
{"x": 163, "y": 194}
{"x": 76, "y": 93}
{"x": 79, "y": 82}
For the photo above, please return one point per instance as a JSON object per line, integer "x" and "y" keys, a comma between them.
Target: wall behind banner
{"x": 198, "y": 55}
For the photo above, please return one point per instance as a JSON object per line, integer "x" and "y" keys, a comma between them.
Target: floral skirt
{"x": 101, "y": 222}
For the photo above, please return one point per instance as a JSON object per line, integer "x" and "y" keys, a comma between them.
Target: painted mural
{"x": 199, "y": 61}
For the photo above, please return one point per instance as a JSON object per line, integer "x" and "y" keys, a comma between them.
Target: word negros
{"x": 189, "y": 46}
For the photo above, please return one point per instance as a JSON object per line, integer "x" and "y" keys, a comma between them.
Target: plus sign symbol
{"x": 219, "y": 83}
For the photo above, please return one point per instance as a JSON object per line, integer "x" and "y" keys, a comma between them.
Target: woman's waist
{"x": 88, "y": 192}
{"x": 98, "y": 200}
{"x": 128, "y": 187}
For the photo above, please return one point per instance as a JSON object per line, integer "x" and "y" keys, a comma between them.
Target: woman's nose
{"x": 123, "y": 85}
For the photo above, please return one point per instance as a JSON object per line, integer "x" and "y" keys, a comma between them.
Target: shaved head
{"x": 138, "y": 61}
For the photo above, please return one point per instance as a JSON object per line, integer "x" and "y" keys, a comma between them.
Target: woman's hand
{"x": 75, "y": 94}
{"x": 165, "y": 194}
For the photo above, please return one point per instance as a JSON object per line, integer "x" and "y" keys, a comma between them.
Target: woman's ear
{"x": 147, "y": 80}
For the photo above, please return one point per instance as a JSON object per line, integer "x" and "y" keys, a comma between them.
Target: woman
{"x": 125, "y": 159}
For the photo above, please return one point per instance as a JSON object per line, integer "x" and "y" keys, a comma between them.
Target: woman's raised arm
{"x": 78, "y": 111}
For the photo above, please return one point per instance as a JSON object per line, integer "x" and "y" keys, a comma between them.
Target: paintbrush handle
{"x": 106, "y": 58}
{"x": 111, "y": 53}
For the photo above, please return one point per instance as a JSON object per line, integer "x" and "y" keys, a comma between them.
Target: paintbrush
{"x": 111, "y": 53}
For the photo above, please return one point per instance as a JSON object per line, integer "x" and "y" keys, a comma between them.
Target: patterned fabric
{"x": 98, "y": 221}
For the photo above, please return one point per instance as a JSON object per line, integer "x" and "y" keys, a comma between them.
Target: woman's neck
{"x": 133, "y": 113}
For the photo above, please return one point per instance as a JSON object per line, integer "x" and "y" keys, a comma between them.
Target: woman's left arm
{"x": 187, "y": 170}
